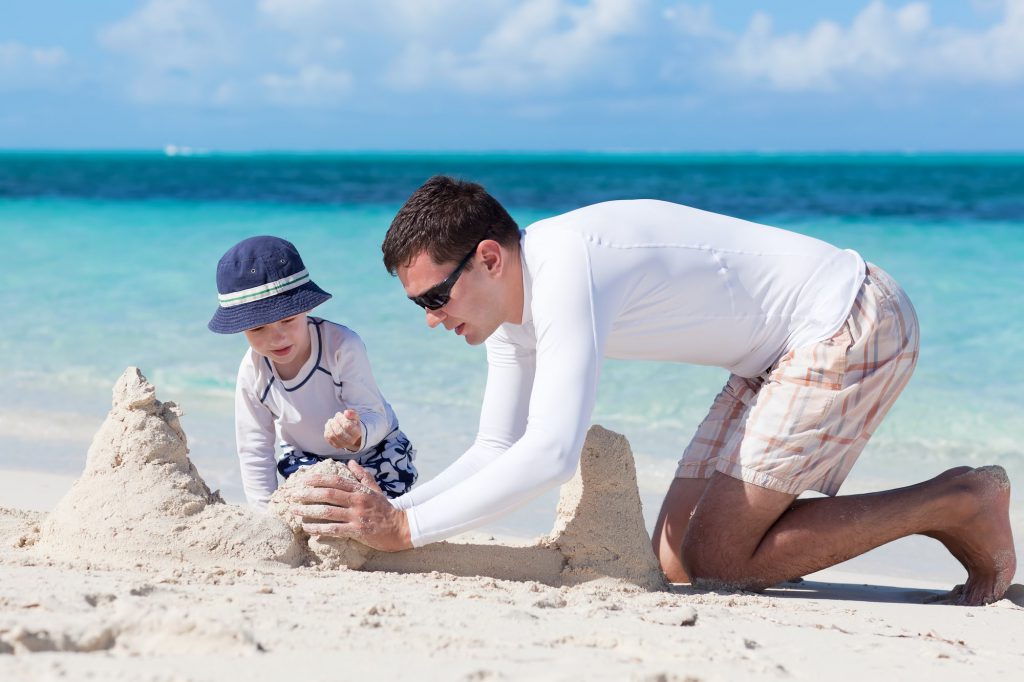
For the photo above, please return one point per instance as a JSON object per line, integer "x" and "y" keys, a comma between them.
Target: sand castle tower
{"x": 141, "y": 495}
{"x": 600, "y": 526}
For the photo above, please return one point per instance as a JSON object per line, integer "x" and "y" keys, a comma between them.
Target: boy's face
{"x": 285, "y": 342}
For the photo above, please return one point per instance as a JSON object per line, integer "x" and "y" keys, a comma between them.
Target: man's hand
{"x": 344, "y": 431}
{"x": 337, "y": 507}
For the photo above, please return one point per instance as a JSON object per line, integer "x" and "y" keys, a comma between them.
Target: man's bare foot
{"x": 951, "y": 545}
{"x": 978, "y": 533}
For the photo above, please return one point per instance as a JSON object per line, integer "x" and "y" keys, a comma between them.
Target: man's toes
{"x": 965, "y": 598}
{"x": 977, "y": 593}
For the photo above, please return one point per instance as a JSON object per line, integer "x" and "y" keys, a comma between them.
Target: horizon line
{"x": 185, "y": 151}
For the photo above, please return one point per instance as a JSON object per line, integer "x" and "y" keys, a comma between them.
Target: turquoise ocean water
{"x": 110, "y": 261}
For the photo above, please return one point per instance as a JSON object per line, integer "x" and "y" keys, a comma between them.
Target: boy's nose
{"x": 434, "y": 317}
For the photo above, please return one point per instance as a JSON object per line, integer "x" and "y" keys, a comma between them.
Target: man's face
{"x": 473, "y": 310}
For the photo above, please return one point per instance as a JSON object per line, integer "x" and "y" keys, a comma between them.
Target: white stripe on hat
{"x": 264, "y": 290}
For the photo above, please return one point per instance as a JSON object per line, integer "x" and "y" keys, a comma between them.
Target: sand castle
{"x": 141, "y": 496}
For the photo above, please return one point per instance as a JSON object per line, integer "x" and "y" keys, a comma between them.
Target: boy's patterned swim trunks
{"x": 802, "y": 423}
{"x": 390, "y": 462}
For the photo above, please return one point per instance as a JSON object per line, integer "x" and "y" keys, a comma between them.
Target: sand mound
{"x": 330, "y": 552}
{"x": 140, "y": 495}
{"x": 600, "y": 526}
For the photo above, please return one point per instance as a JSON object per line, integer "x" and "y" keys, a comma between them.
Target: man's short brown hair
{"x": 446, "y": 217}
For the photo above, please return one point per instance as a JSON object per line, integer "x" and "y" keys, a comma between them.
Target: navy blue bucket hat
{"x": 259, "y": 281}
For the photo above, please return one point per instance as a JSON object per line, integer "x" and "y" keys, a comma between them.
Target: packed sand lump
{"x": 140, "y": 495}
{"x": 140, "y": 498}
{"x": 331, "y": 552}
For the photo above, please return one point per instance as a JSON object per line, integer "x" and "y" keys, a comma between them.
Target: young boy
{"x": 305, "y": 382}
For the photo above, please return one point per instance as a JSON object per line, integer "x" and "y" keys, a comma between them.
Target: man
{"x": 818, "y": 342}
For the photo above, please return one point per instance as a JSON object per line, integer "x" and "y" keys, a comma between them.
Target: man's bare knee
{"x": 726, "y": 530}
{"x": 710, "y": 550}
{"x": 666, "y": 551}
{"x": 714, "y": 560}
{"x": 673, "y": 520}
{"x": 708, "y": 563}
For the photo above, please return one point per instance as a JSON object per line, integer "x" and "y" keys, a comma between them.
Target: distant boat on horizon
{"x": 176, "y": 150}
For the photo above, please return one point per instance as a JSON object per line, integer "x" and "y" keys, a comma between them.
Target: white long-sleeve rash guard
{"x": 638, "y": 279}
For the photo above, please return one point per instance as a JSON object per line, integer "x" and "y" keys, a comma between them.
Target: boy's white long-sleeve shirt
{"x": 642, "y": 279}
{"x": 273, "y": 415}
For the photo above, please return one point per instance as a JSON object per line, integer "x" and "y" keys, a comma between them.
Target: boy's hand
{"x": 343, "y": 430}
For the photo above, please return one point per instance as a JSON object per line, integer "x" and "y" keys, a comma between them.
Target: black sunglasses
{"x": 436, "y": 297}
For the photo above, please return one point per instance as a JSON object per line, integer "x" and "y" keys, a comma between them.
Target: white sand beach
{"x": 137, "y": 571}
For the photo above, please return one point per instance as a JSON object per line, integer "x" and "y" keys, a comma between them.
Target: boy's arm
{"x": 254, "y": 441}
{"x": 359, "y": 391}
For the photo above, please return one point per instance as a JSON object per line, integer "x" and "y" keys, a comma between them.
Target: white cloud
{"x": 179, "y": 48}
{"x": 25, "y": 65}
{"x": 694, "y": 20}
{"x": 995, "y": 55}
{"x": 384, "y": 19}
{"x": 319, "y": 52}
{"x": 881, "y": 43}
{"x": 490, "y": 45}
{"x": 303, "y": 13}
{"x": 534, "y": 44}
{"x": 311, "y": 85}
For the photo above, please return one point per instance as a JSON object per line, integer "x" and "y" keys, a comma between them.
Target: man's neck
{"x": 516, "y": 295}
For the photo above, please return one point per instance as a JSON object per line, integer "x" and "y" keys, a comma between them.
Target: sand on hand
{"x": 140, "y": 496}
{"x": 328, "y": 551}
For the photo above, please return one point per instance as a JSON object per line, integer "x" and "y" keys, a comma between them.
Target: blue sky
{"x": 504, "y": 75}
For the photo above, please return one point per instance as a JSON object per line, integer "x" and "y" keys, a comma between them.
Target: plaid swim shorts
{"x": 802, "y": 423}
